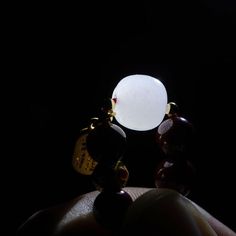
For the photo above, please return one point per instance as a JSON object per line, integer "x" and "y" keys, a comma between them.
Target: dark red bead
{"x": 106, "y": 143}
{"x": 175, "y": 135}
{"x": 110, "y": 208}
{"x": 178, "y": 175}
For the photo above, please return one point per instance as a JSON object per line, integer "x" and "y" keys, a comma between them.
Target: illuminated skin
{"x": 155, "y": 211}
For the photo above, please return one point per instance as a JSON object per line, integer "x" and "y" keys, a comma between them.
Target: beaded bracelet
{"x": 99, "y": 154}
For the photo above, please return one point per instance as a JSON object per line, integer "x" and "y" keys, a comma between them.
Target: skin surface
{"x": 158, "y": 212}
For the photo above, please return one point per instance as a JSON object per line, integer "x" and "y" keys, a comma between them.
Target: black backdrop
{"x": 65, "y": 59}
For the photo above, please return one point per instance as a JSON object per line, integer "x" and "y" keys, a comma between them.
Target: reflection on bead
{"x": 178, "y": 175}
{"x": 110, "y": 179}
{"x": 122, "y": 173}
{"x": 106, "y": 143}
{"x": 110, "y": 207}
{"x": 172, "y": 109}
{"x": 174, "y": 135}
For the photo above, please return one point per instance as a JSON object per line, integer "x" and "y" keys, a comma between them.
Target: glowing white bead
{"x": 140, "y": 102}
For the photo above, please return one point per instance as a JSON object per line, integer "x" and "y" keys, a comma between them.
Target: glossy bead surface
{"x": 178, "y": 175}
{"x": 174, "y": 135}
{"x": 110, "y": 208}
{"x": 110, "y": 179}
{"x": 106, "y": 143}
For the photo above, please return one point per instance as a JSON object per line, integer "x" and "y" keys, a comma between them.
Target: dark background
{"x": 63, "y": 60}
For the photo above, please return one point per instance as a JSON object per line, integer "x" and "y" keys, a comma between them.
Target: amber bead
{"x": 108, "y": 178}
